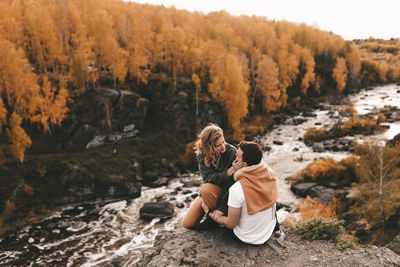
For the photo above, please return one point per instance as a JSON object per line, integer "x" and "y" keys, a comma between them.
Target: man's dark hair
{"x": 252, "y": 152}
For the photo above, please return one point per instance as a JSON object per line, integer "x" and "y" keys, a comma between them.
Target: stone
{"x": 395, "y": 140}
{"x": 160, "y": 181}
{"x": 97, "y": 141}
{"x": 297, "y": 121}
{"x": 324, "y": 194}
{"x": 302, "y": 189}
{"x": 192, "y": 183}
{"x": 162, "y": 209}
{"x": 309, "y": 114}
{"x": 318, "y": 148}
{"x": 180, "y": 205}
{"x": 395, "y": 245}
{"x": 82, "y": 136}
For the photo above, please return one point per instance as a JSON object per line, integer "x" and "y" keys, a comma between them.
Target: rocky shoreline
{"x": 219, "y": 248}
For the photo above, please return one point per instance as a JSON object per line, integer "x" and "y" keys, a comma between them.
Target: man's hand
{"x": 229, "y": 222}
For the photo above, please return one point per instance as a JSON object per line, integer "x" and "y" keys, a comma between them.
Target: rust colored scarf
{"x": 259, "y": 187}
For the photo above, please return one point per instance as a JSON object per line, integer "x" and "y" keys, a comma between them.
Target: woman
{"x": 217, "y": 165}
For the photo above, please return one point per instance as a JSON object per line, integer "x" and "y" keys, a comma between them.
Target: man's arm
{"x": 229, "y": 221}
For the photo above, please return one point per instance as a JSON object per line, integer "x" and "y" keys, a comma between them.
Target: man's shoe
{"x": 280, "y": 235}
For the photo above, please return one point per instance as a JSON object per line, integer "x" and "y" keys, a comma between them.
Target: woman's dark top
{"x": 217, "y": 175}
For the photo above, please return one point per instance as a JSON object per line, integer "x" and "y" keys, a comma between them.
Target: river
{"x": 111, "y": 233}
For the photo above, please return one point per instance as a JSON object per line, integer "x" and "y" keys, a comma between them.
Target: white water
{"x": 104, "y": 234}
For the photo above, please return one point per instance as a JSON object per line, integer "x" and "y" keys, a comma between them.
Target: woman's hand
{"x": 236, "y": 165}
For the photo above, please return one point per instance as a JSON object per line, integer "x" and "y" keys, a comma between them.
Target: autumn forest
{"x": 53, "y": 51}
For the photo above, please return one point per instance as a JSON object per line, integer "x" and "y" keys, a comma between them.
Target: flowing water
{"x": 111, "y": 233}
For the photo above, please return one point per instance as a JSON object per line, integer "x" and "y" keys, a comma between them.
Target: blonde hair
{"x": 205, "y": 144}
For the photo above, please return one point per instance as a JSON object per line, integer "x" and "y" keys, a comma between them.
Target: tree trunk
{"x": 381, "y": 176}
{"x": 197, "y": 101}
{"x": 174, "y": 77}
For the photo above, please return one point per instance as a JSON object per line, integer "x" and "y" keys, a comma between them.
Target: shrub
{"x": 322, "y": 170}
{"x": 381, "y": 118}
{"x": 357, "y": 125}
{"x": 189, "y": 158}
{"x": 312, "y": 207}
{"x": 29, "y": 190}
{"x": 378, "y": 195}
{"x": 319, "y": 228}
{"x": 349, "y": 176}
{"x": 346, "y": 241}
{"x": 10, "y": 207}
{"x": 348, "y": 111}
{"x": 314, "y": 134}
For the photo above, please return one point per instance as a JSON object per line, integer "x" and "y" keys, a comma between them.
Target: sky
{"x": 352, "y": 19}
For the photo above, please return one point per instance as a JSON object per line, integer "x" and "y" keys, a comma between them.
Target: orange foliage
{"x": 359, "y": 125}
{"x": 321, "y": 169}
{"x": 353, "y": 57}
{"x": 339, "y": 74}
{"x": 381, "y": 118}
{"x": 77, "y": 42}
{"x": 10, "y": 207}
{"x": 348, "y": 111}
{"x": 18, "y": 138}
{"x": 230, "y": 88}
{"x": 312, "y": 207}
{"x": 384, "y": 56}
{"x": 268, "y": 83}
{"x": 29, "y": 190}
{"x": 3, "y": 114}
{"x": 53, "y": 105}
{"x": 18, "y": 86}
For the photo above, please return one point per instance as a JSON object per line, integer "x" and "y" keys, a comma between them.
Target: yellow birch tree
{"x": 268, "y": 84}
{"x": 339, "y": 73}
{"x": 230, "y": 89}
{"x": 19, "y": 140}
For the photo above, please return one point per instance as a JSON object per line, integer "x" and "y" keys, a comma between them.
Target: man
{"x": 251, "y": 202}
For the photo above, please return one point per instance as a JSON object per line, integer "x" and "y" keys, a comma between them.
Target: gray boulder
{"x": 162, "y": 209}
{"x": 302, "y": 189}
{"x": 83, "y": 135}
{"x": 318, "y": 148}
{"x": 395, "y": 245}
{"x": 395, "y": 140}
{"x": 324, "y": 194}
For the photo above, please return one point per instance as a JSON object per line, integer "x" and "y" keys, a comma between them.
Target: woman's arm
{"x": 210, "y": 175}
{"x": 229, "y": 221}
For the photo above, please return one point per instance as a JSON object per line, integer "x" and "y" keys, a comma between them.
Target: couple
{"x": 240, "y": 190}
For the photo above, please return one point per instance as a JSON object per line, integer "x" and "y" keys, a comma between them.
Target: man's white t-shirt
{"x": 252, "y": 229}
